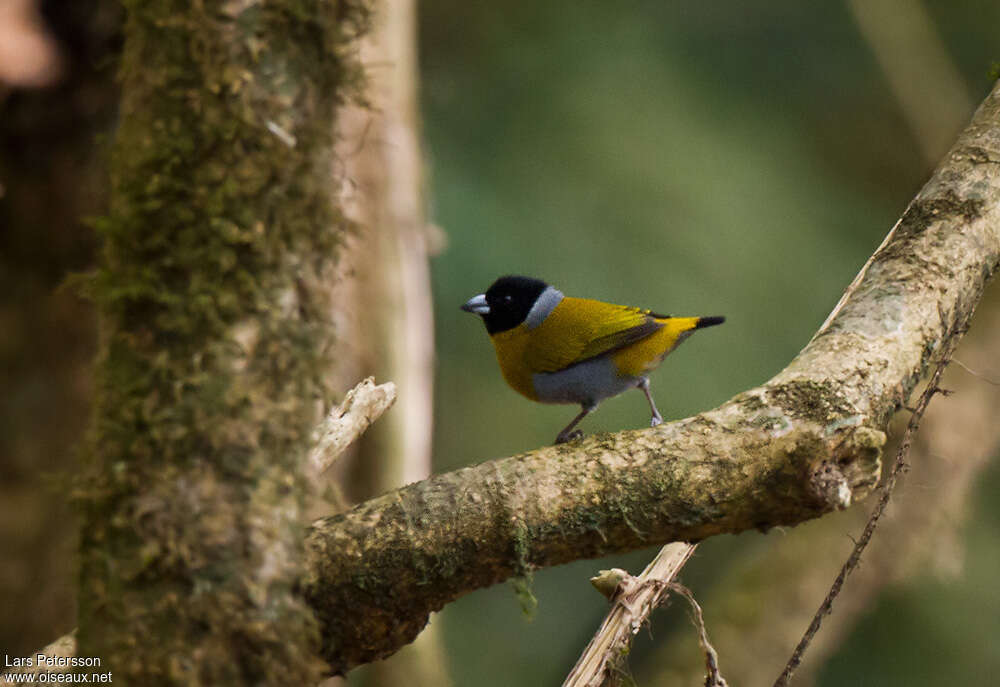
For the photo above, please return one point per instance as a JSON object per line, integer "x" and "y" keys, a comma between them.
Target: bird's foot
{"x": 655, "y": 420}
{"x": 569, "y": 436}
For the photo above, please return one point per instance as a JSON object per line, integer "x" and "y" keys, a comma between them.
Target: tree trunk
{"x": 388, "y": 307}
{"x": 216, "y": 337}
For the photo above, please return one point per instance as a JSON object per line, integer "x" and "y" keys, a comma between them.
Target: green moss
{"x": 921, "y": 214}
{"x": 750, "y": 401}
{"x": 522, "y": 586}
{"x": 521, "y": 581}
{"x": 216, "y": 336}
{"x": 522, "y": 548}
{"x": 809, "y": 400}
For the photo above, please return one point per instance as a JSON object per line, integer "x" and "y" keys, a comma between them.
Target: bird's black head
{"x": 506, "y": 303}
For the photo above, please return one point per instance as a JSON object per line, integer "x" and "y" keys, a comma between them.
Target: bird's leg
{"x": 568, "y": 434}
{"x": 657, "y": 418}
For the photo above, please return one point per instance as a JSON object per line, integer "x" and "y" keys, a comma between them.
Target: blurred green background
{"x": 699, "y": 158}
{"x": 731, "y": 158}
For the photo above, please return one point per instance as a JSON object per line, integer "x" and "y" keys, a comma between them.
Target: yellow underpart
{"x": 579, "y": 329}
{"x": 510, "y": 347}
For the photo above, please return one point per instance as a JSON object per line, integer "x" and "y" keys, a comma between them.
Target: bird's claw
{"x": 569, "y": 436}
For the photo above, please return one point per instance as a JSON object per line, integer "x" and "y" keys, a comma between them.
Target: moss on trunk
{"x": 216, "y": 334}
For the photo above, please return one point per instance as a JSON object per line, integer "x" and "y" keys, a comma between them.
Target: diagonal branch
{"x": 807, "y": 442}
{"x": 958, "y": 437}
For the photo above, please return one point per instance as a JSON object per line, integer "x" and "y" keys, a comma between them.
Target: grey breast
{"x": 590, "y": 381}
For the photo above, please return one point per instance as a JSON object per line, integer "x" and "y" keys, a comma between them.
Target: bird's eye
{"x": 508, "y": 298}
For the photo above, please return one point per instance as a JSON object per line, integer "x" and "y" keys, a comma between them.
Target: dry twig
{"x": 713, "y": 678}
{"x": 633, "y": 598}
{"x": 362, "y": 405}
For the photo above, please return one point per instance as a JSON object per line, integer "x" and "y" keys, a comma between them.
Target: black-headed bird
{"x": 558, "y": 349}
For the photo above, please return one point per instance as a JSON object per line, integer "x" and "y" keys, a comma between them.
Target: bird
{"x": 554, "y": 348}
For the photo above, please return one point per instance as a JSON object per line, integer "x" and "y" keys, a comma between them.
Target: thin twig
{"x": 713, "y": 678}
{"x": 974, "y": 373}
{"x": 898, "y": 466}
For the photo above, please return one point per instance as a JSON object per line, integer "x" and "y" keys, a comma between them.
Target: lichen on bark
{"x": 216, "y": 333}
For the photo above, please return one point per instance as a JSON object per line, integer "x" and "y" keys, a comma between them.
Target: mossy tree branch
{"x": 957, "y": 438}
{"x": 805, "y": 443}
{"x": 216, "y": 332}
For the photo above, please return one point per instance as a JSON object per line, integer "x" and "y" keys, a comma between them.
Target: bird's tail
{"x": 708, "y": 321}
{"x": 677, "y": 329}
{"x": 689, "y": 324}
{"x": 683, "y": 327}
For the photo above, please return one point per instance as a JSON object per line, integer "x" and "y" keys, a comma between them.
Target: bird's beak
{"x": 477, "y": 305}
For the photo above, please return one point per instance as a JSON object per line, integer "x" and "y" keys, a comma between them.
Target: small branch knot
{"x": 607, "y": 582}
{"x": 829, "y": 485}
{"x": 853, "y": 470}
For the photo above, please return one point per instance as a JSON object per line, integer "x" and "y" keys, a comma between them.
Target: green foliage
{"x": 525, "y": 596}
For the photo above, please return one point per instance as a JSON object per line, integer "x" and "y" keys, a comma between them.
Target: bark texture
{"x": 958, "y": 436}
{"x": 807, "y": 442}
{"x": 215, "y": 332}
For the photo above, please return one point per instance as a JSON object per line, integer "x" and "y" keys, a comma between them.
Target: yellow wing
{"x": 580, "y": 328}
